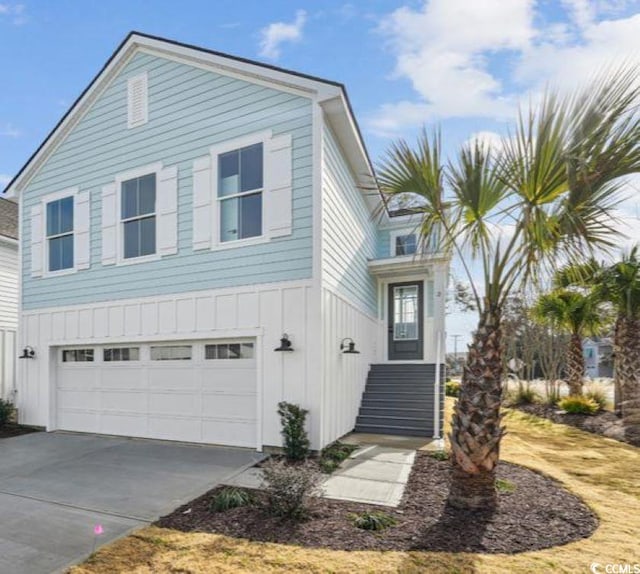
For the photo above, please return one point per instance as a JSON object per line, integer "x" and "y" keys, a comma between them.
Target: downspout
{"x": 436, "y": 390}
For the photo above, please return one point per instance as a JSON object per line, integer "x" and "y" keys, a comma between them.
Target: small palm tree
{"x": 548, "y": 193}
{"x": 579, "y": 314}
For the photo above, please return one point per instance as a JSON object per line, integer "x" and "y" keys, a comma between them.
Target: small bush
{"x": 452, "y": 388}
{"x": 579, "y": 405}
{"x": 289, "y": 488}
{"x": 328, "y": 465}
{"x": 598, "y": 395}
{"x": 375, "y": 520}
{"x": 524, "y": 395}
{"x": 338, "y": 451}
{"x": 505, "y": 486}
{"x": 439, "y": 455}
{"x": 230, "y": 497}
{"x": 296, "y": 441}
{"x": 6, "y": 410}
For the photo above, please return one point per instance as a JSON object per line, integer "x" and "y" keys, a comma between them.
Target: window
{"x": 138, "y": 213}
{"x": 405, "y": 310}
{"x": 240, "y": 186}
{"x": 77, "y": 356}
{"x": 406, "y": 244}
{"x": 60, "y": 234}
{"x": 121, "y": 354}
{"x": 175, "y": 353}
{"x": 229, "y": 351}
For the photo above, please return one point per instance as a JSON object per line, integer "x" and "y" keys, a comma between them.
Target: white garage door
{"x": 186, "y": 391}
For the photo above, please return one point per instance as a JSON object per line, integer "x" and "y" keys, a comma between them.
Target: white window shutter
{"x": 167, "y": 211}
{"x": 137, "y": 101}
{"x": 109, "y": 224}
{"x": 82, "y": 230}
{"x": 278, "y": 187}
{"x": 37, "y": 232}
{"x": 202, "y": 198}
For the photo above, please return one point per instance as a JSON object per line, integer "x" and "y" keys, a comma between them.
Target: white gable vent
{"x": 137, "y": 101}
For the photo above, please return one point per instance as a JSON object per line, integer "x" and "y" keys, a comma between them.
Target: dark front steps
{"x": 399, "y": 400}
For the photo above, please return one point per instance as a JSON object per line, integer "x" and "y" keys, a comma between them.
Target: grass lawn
{"x": 604, "y": 472}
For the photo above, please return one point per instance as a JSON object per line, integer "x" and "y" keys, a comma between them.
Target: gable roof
{"x": 8, "y": 218}
{"x": 332, "y": 96}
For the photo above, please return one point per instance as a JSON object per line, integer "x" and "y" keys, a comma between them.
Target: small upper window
{"x": 406, "y": 244}
{"x": 60, "y": 234}
{"x": 240, "y": 186}
{"x": 229, "y": 351}
{"x": 77, "y": 356}
{"x": 171, "y": 353}
{"x": 138, "y": 213}
{"x": 121, "y": 354}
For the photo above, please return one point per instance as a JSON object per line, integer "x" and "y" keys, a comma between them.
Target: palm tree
{"x": 579, "y": 314}
{"x": 548, "y": 193}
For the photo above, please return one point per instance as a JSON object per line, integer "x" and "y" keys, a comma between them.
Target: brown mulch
{"x": 604, "y": 423}
{"x": 540, "y": 513}
{"x": 11, "y": 429}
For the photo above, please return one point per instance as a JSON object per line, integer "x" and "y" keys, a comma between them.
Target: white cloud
{"x": 477, "y": 59}
{"x": 277, "y": 33}
{"x": 16, "y": 12}
{"x": 10, "y": 131}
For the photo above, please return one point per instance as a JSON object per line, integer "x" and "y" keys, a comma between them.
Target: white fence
{"x": 8, "y": 354}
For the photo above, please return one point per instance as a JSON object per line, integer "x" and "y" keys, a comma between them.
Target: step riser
{"x": 391, "y": 422}
{"x": 392, "y": 431}
{"x": 397, "y": 385}
{"x": 395, "y": 404}
{"x": 395, "y": 412}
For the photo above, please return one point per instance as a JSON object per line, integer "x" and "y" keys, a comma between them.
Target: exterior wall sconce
{"x": 285, "y": 344}
{"x": 348, "y": 348}
{"x": 28, "y": 353}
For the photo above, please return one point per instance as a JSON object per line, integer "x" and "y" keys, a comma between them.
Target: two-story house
{"x": 8, "y": 296}
{"x": 199, "y": 242}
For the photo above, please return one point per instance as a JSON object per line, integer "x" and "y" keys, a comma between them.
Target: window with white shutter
{"x": 137, "y": 101}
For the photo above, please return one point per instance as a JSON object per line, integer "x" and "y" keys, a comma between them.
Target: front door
{"x": 405, "y": 321}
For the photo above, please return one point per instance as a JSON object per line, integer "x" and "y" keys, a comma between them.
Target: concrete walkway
{"x": 55, "y": 487}
{"x": 373, "y": 474}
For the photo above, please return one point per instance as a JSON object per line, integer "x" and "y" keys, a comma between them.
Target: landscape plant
{"x": 548, "y": 193}
{"x": 296, "y": 440}
{"x": 6, "y": 410}
{"x": 231, "y": 497}
{"x": 289, "y": 488}
{"x": 579, "y": 405}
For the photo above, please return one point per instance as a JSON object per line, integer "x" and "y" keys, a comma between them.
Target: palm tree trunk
{"x": 575, "y": 365}
{"x": 476, "y": 429}
{"x": 627, "y": 350}
{"x": 620, "y": 366}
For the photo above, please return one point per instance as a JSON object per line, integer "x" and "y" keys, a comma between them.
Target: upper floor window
{"x": 240, "y": 187}
{"x": 138, "y": 216}
{"x": 406, "y": 244}
{"x": 60, "y": 234}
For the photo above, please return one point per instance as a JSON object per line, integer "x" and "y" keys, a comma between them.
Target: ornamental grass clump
{"x": 579, "y": 405}
{"x": 230, "y": 497}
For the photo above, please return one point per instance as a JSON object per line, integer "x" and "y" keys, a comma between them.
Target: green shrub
{"x": 6, "y": 410}
{"x": 439, "y": 455}
{"x": 375, "y": 520}
{"x": 289, "y": 488}
{"x": 296, "y": 441}
{"x": 328, "y": 465}
{"x": 230, "y": 497}
{"x": 524, "y": 395}
{"x": 505, "y": 486}
{"x": 452, "y": 388}
{"x": 598, "y": 395}
{"x": 580, "y": 405}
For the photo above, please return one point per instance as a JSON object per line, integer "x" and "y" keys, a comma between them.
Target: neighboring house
{"x": 8, "y": 296}
{"x": 598, "y": 357}
{"x": 190, "y": 211}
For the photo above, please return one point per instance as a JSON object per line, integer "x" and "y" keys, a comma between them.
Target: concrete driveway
{"x": 55, "y": 487}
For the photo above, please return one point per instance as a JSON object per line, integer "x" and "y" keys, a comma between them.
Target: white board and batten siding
{"x": 349, "y": 293}
{"x": 260, "y": 314}
{"x": 8, "y": 316}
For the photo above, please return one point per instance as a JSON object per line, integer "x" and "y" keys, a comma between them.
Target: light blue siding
{"x": 383, "y": 244}
{"x": 349, "y": 231}
{"x": 190, "y": 109}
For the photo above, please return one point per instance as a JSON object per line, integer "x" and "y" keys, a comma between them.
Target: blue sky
{"x": 463, "y": 64}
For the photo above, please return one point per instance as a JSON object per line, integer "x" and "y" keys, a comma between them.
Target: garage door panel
{"x": 174, "y": 404}
{"x": 230, "y": 432}
{"x": 124, "y": 401}
{"x": 229, "y": 406}
{"x": 198, "y": 400}
{"x": 112, "y": 377}
{"x": 169, "y": 378}
{"x": 174, "y": 428}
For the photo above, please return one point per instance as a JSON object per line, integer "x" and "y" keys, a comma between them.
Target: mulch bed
{"x": 11, "y": 429}
{"x": 604, "y": 423}
{"x": 540, "y": 513}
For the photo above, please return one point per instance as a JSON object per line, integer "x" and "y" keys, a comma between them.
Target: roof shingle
{"x": 8, "y": 218}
